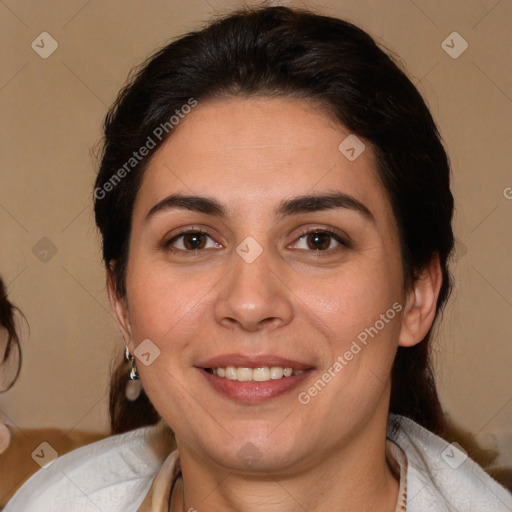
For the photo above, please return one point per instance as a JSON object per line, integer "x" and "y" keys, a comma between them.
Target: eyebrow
{"x": 288, "y": 207}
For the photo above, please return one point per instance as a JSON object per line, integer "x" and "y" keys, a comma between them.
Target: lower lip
{"x": 254, "y": 392}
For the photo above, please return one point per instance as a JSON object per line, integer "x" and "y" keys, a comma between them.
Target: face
{"x": 259, "y": 249}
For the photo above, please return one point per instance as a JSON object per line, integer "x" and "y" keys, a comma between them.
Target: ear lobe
{"x": 420, "y": 308}
{"x": 120, "y": 309}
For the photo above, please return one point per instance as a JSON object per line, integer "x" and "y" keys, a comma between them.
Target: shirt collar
{"x": 159, "y": 495}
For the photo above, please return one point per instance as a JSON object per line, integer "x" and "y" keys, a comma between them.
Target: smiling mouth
{"x": 259, "y": 374}
{"x": 253, "y": 378}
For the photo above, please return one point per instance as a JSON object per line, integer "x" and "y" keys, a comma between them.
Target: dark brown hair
{"x": 12, "y": 350}
{"x": 278, "y": 51}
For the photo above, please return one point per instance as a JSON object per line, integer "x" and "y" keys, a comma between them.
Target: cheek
{"x": 353, "y": 298}
{"x": 169, "y": 302}
{"x": 163, "y": 299}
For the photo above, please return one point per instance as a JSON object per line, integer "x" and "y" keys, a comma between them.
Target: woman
{"x": 276, "y": 214}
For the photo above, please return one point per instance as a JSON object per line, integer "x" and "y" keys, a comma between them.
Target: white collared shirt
{"x": 116, "y": 474}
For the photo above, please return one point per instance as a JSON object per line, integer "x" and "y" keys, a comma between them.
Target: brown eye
{"x": 319, "y": 241}
{"x": 193, "y": 241}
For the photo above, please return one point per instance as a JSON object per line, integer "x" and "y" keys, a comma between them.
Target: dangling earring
{"x": 134, "y": 374}
{"x": 133, "y": 384}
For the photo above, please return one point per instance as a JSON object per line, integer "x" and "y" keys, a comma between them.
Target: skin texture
{"x": 293, "y": 301}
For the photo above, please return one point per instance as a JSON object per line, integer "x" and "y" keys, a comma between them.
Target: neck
{"x": 354, "y": 477}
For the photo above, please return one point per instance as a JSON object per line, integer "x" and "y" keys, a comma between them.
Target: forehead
{"x": 259, "y": 150}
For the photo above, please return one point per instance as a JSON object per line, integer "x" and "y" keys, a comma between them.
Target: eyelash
{"x": 333, "y": 234}
{"x": 325, "y": 231}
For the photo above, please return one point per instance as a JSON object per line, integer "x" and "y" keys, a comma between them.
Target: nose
{"x": 253, "y": 296}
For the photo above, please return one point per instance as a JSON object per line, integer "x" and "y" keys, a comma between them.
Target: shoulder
{"x": 442, "y": 477}
{"x": 113, "y": 474}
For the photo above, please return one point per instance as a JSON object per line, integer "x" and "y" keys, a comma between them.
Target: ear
{"x": 420, "y": 306}
{"x": 119, "y": 306}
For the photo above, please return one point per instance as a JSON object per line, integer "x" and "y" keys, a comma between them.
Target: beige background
{"x": 52, "y": 110}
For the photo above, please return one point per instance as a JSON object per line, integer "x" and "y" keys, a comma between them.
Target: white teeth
{"x": 260, "y": 374}
{"x": 230, "y": 373}
{"x": 244, "y": 374}
{"x": 276, "y": 372}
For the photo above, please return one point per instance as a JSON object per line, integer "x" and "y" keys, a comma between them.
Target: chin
{"x": 256, "y": 459}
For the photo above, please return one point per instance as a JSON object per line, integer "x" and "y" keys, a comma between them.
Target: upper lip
{"x": 252, "y": 361}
